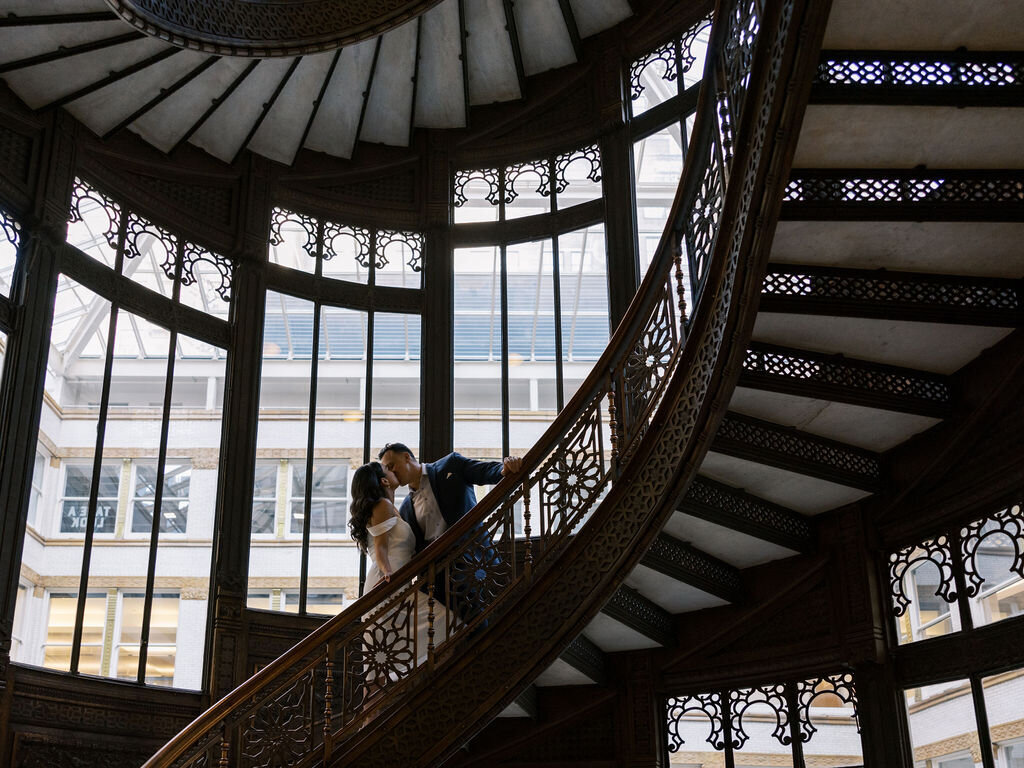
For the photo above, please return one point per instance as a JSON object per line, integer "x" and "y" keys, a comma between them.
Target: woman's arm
{"x": 382, "y": 511}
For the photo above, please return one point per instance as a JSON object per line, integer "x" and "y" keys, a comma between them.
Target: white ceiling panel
{"x": 337, "y": 120}
{"x": 281, "y": 132}
{"x": 389, "y": 105}
{"x": 440, "y": 93}
{"x": 44, "y": 83}
{"x": 730, "y": 546}
{"x": 165, "y": 124}
{"x": 543, "y": 37}
{"x": 593, "y": 16}
{"x": 492, "y": 67}
{"x": 24, "y": 42}
{"x": 223, "y": 134}
{"x": 105, "y": 108}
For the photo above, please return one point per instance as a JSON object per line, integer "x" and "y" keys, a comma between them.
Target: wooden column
{"x": 639, "y": 715}
{"x": 437, "y": 373}
{"x": 33, "y": 294}
{"x": 226, "y": 652}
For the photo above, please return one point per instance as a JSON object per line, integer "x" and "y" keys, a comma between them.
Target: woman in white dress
{"x": 389, "y": 542}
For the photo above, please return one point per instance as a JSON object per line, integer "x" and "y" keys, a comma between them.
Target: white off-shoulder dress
{"x": 401, "y": 543}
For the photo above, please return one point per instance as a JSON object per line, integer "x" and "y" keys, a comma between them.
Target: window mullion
{"x": 158, "y": 500}
{"x": 310, "y": 443}
{"x": 94, "y": 486}
{"x": 981, "y": 719}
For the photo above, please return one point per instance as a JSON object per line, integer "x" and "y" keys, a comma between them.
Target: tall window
{"x": 801, "y": 723}
{"x": 530, "y": 317}
{"x": 670, "y": 75}
{"x": 125, "y": 482}
{"x": 337, "y": 383}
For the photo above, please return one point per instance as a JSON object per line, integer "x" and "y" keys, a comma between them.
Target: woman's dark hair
{"x": 366, "y": 492}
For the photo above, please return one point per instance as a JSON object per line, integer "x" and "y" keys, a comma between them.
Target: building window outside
{"x": 987, "y": 554}
{"x": 75, "y": 500}
{"x": 174, "y": 502}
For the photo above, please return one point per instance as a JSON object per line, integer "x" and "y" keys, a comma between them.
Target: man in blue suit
{"x": 441, "y": 493}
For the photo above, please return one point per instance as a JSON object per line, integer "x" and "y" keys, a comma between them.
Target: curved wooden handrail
{"x": 650, "y": 345}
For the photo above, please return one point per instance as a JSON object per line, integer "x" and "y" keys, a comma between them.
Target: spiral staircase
{"x": 849, "y": 225}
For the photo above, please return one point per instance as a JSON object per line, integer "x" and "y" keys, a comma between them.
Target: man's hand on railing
{"x": 511, "y": 465}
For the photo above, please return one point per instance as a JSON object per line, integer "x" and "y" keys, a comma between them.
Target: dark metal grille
{"x": 903, "y": 69}
{"x": 843, "y": 373}
{"x": 711, "y": 494}
{"x": 790, "y": 443}
{"x": 859, "y": 188}
{"x": 905, "y": 288}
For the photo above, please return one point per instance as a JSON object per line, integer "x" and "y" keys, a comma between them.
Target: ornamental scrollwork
{"x": 689, "y": 41}
{"x": 702, "y": 222}
{"x": 336, "y": 234}
{"x": 488, "y": 176}
{"x": 708, "y": 704}
{"x": 192, "y": 254}
{"x": 590, "y": 155}
{"x": 572, "y": 479}
{"x": 648, "y": 362}
{"x": 388, "y": 649}
{"x": 937, "y": 551}
{"x": 771, "y": 696}
{"x": 11, "y": 228}
{"x": 744, "y": 20}
{"x": 307, "y": 224}
{"x": 666, "y": 55}
{"x": 479, "y": 575}
{"x": 144, "y": 238}
{"x": 1006, "y": 530}
{"x": 279, "y": 732}
{"x": 539, "y": 169}
{"x": 807, "y": 691}
{"x": 412, "y": 241}
{"x": 84, "y": 199}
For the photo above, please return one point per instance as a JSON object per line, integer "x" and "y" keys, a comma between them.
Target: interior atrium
{"x": 741, "y": 282}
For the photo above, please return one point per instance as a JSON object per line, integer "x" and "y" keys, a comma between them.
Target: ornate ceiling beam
{"x": 920, "y": 78}
{"x": 908, "y": 296}
{"x": 584, "y": 656}
{"x": 163, "y": 94}
{"x": 764, "y": 442}
{"x": 215, "y": 104}
{"x": 267, "y": 106}
{"x": 517, "y": 52}
{"x": 629, "y": 607}
{"x": 113, "y": 77}
{"x": 319, "y": 98}
{"x": 71, "y": 50}
{"x": 573, "y": 27}
{"x": 464, "y": 58}
{"x": 689, "y": 565}
{"x": 841, "y": 379}
{"x": 369, "y": 87}
{"x": 742, "y": 512}
{"x": 14, "y": 20}
{"x": 848, "y": 194}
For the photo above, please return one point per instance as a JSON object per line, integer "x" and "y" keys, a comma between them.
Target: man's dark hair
{"x": 397, "y": 448}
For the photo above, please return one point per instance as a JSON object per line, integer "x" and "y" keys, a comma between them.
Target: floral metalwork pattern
{"x": 1005, "y": 526}
{"x": 142, "y": 237}
{"x": 86, "y": 198}
{"x": 489, "y": 176}
{"x": 770, "y": 696}
{"x": 280, "y": 732}
{"x": 11, "y": 228}
{"x": 666, "y": 55}
{"x": 307, "y": 224}
{"x": 335, "y": 235}
{"x": 936, "y": 551}
{"x": 192, "y": 254}
{"x": 412, "y": 241}
{"x": 537, "y": 169}
{"x": 591, "y": 156}
{"x": 807, "y": 691}
{"x": 709, "y": 704}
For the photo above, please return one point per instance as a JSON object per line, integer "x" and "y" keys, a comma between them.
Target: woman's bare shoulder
{"x": 382, "y": 510}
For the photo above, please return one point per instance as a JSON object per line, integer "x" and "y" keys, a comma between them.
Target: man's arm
{"x": 475, "y": 472}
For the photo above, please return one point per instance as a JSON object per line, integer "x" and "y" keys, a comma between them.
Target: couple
{"x": 441, "y": 493}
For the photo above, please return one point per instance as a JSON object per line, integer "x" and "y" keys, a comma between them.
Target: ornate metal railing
{"x": 393, "y": 670}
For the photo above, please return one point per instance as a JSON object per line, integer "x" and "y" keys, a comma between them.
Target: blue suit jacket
{"x": 452, "y": 479}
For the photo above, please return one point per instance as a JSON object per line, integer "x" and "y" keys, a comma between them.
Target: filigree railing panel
{"x": 391, "y": 644}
